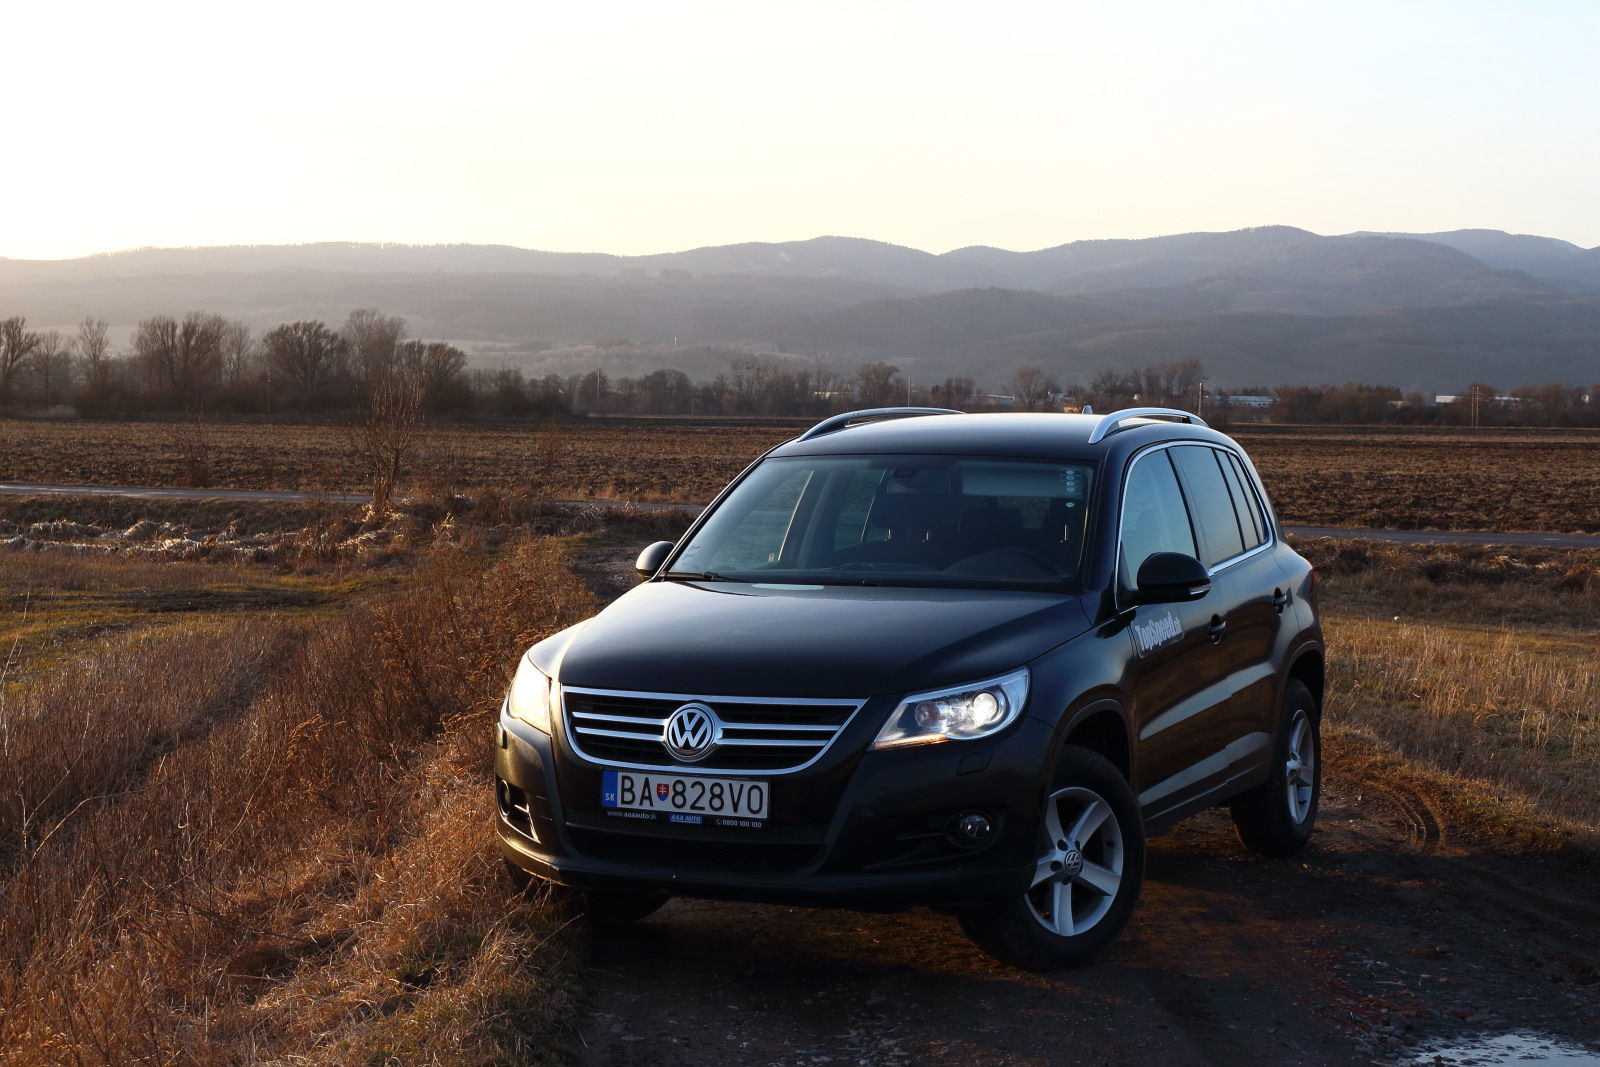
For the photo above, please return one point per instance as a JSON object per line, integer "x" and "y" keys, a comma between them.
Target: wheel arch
{"x": 1308, "y": 669}
{"x": 1100, "y": 726}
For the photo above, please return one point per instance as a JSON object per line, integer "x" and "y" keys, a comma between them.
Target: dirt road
{"x": 1389, "y": 931}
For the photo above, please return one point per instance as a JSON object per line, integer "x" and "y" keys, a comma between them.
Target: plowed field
{"x": 1497, "y": 480}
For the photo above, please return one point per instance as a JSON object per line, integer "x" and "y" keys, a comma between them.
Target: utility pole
{"x": 1200, "y": 400}
{"x": 1474, "y": 407}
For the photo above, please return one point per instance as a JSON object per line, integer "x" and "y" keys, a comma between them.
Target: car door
{"x": 1248, "y": 594}
{"x": 1173, "y": 674}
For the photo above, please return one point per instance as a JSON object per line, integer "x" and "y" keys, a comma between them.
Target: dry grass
{"x": 1473, "y": 661}
{"x": 1541, "y": 588}
{"x": 1516, "y": 708}
{"x": 301, "y": 870}
{"x": 1473, "y": 812}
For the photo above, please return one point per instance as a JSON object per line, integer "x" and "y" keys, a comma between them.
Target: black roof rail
{"x": 839, "y": 422}
{"x": 1110, "y": 424}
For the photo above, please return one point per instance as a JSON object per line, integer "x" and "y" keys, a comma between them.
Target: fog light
{"x": 973, "y": 828}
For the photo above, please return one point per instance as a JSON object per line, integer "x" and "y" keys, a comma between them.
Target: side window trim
{"x": 1257, "y": 495}
{"x": 1241, "y": 508}
{"x": 1222, "y": 565}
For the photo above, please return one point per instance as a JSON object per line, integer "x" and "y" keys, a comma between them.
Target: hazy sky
{"x": 628, "y": 128}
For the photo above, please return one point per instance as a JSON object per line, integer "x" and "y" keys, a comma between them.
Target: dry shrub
{"x": 330, "y": 842}
{"x": 548, "y": 455}
{"x": 192, "y": 443}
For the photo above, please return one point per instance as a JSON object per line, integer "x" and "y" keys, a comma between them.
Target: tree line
{"x": 207, "y": 364}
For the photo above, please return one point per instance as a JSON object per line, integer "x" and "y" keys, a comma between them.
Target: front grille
{"x": 756, "y": 735}
{"x": 710, "y": 857}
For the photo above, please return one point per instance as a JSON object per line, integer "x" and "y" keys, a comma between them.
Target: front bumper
{"x": 866, "y": 829}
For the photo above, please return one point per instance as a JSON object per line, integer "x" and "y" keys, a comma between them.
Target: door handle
{"x": 1280, "y": 600}
{"x": 1219, "y": 626}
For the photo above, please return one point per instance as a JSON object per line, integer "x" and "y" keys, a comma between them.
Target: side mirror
{"x": 653, "y": 556}
{"x": 1171, "y": 578}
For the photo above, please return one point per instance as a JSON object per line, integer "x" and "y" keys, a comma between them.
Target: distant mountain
{"x": 1275, "y": 254}
{"x": 499, "y": 308}
{"x": 1429, "y": 349}
{"x": 1267, "y": 304}
{"x": 1559, "y": 262}
{"x": 922, "y": 326}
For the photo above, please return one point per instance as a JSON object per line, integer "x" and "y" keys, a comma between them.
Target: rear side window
{"x": 1252, "y": 501}
{"x": 1211, "y": 502}
{"x": 1243, "y": 502}
{"x": 1153, "y": 515}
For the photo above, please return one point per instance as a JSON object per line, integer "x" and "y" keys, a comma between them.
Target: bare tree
{"x": 52, "y": 362}
{"x": 1033, "y": 387}
{"x": 954, "y": 392}
{"x": 372, "y": 338}
{"x": 93, "y": 349}
{"x": 17, "y": 346}
{"x": 386, "y": 436}
{"x": 438, "y": 368}
{"x": 307, "y": 353}
{"x": 185, "y": 357}
{"x": 238, "y": 347}
{"x": 877, "y": 384}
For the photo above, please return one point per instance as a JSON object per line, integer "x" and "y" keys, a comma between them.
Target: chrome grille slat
{"x": 759, "y": 736}
{"x": 617, "y": 718}
{"x": 774, "y": 742}
{"x": 774, "y": 726}
{"x": 619, "y": 733}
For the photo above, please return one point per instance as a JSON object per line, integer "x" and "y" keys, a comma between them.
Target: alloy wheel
{"x": 1076, "y": 880}
{"x": 1301, "y": 767}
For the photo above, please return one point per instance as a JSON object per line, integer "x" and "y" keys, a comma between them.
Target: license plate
{"x": 676, "y": 794}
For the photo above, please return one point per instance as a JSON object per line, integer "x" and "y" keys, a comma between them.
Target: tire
{"x": 598, "y": 907}
{"x": 1276, "y": 817}
{"x": 1087, "y": 880}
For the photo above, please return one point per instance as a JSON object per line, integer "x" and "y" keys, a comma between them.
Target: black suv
{"x": 921, "y": 657}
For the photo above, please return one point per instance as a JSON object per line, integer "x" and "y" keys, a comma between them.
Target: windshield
{"x": 897, "y": 520}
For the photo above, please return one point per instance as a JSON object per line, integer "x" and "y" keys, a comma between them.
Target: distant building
{"x": 1243, "y": 400}
{"x": 1442, "y": 399}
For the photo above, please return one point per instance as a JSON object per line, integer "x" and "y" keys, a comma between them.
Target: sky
{"x": 632, "y": 128}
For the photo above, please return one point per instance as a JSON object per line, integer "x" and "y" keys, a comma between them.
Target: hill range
{"x": 1261, "y": 307}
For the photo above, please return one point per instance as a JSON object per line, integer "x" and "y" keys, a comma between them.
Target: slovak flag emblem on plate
{"x": 661, "y": 790}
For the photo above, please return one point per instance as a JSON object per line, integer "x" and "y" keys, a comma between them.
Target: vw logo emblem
{"x": 691, "y": 732}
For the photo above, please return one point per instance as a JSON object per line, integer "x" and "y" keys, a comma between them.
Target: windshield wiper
{"x": 703, "y": 576}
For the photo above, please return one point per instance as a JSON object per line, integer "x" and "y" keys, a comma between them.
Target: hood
{"x": 736, "y": 639}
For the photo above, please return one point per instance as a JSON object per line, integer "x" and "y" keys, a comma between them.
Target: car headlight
{"x": 960, "y": 713}
{"x": 532, "y": 694}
